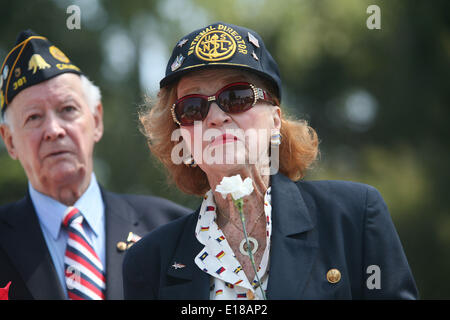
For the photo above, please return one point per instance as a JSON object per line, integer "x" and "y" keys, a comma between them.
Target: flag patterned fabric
{"x": 84, "y": 273}
{"x": 228, "y": 280}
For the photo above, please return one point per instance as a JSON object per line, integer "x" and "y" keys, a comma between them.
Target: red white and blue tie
{"x": 84, "y": 274}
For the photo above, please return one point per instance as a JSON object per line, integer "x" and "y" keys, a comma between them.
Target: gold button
{"x": 121, "y": 246}
{"x": 250, "y": 295}
{"x": 333, "y": 275}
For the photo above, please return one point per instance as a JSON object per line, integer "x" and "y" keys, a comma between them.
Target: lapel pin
{"x": 121, "y": 246}
{"x": 133, "y": 237}
{"x": 333, "y": 275}
{"x": 177, "y": 265}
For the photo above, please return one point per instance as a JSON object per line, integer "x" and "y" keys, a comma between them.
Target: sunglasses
{"x": 234, "y": 98}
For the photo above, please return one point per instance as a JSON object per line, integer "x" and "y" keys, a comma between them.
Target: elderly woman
{"x": 218, "y": 115}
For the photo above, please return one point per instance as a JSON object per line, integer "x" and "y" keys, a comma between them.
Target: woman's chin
{"x": 223, "y": 169}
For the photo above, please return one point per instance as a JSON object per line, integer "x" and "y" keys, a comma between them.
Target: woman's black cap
{"x": 222, "y": 45}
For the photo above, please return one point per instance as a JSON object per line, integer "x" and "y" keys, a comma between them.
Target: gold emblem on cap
{"x": 17, "y": 72}
{"x": 121, "y": 246}
{"x": 215, "y": 45}
{"x": 37, "y": 62}
{"x": 333, "y": 275}
{"x": 58, "y": 54}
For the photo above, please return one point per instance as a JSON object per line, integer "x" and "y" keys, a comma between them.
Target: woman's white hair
{"x": 91, "y": 93}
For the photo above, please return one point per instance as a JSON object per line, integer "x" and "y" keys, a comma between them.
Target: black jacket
{"x": 316, "y": 226}
{"x": 27, "y": 263}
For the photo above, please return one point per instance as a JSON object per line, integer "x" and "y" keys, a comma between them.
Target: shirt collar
{"x": 50, "y": 212}
{"x": 217, "y": 258}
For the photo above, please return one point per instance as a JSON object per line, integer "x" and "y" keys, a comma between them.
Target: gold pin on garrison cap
{"x": 333, "y": 275}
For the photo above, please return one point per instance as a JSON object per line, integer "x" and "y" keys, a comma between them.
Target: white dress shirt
{"x": 50, "y": 213}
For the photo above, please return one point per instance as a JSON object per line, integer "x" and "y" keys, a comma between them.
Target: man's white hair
{"x": 91, "y": 93}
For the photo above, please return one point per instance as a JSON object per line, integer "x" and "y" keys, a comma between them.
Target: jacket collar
{"x": 193, "y": 282}
{"x": 31, "y": 258}
{"x": 120, "y": 219}
{"x": 294, "y": 241}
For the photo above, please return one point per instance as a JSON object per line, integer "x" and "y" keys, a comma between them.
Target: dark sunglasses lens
{"x": 190, "y": 110}
{"x": 236, "y": 99}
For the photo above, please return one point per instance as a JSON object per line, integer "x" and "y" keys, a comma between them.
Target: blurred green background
{"x": 379, "y": 99}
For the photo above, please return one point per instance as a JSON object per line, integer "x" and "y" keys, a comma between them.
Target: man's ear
{"x": 98, "y": 122}
{"x": 5, "y": 132}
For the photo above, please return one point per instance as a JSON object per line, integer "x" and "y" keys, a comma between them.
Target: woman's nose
{"x": 216, "y": 117}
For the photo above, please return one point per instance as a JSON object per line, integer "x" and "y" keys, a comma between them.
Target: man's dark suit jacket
{"x": 316, "y": 226}
{"x": 27, "y": 263}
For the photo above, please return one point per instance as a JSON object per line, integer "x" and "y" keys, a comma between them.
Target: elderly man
{"x": 67, "y": 237}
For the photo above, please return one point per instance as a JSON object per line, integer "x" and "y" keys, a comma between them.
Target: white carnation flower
{"x": 235, "y": 186}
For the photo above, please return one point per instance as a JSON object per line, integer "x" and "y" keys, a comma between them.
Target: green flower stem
{"x": 240, "y": 205}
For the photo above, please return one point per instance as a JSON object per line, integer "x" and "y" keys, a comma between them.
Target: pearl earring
{"x": 189, "y": 162}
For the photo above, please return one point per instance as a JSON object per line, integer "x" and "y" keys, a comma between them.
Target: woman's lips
{"x": 222, "y": 139}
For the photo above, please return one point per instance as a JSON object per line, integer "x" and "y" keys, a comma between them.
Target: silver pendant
{"x": 252, "y": 241}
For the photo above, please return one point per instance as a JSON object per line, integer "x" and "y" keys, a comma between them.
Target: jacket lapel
{"x": 26, "y": 247}
{"x": 293, "y": 248}
{"x": 120, "y": 218}
{"x": 191, "y": 282}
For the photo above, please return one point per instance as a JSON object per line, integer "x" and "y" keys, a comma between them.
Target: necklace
{"x": 243, "y": 245}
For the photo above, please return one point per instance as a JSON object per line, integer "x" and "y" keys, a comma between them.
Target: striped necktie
{"x": 84, "y": 274}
